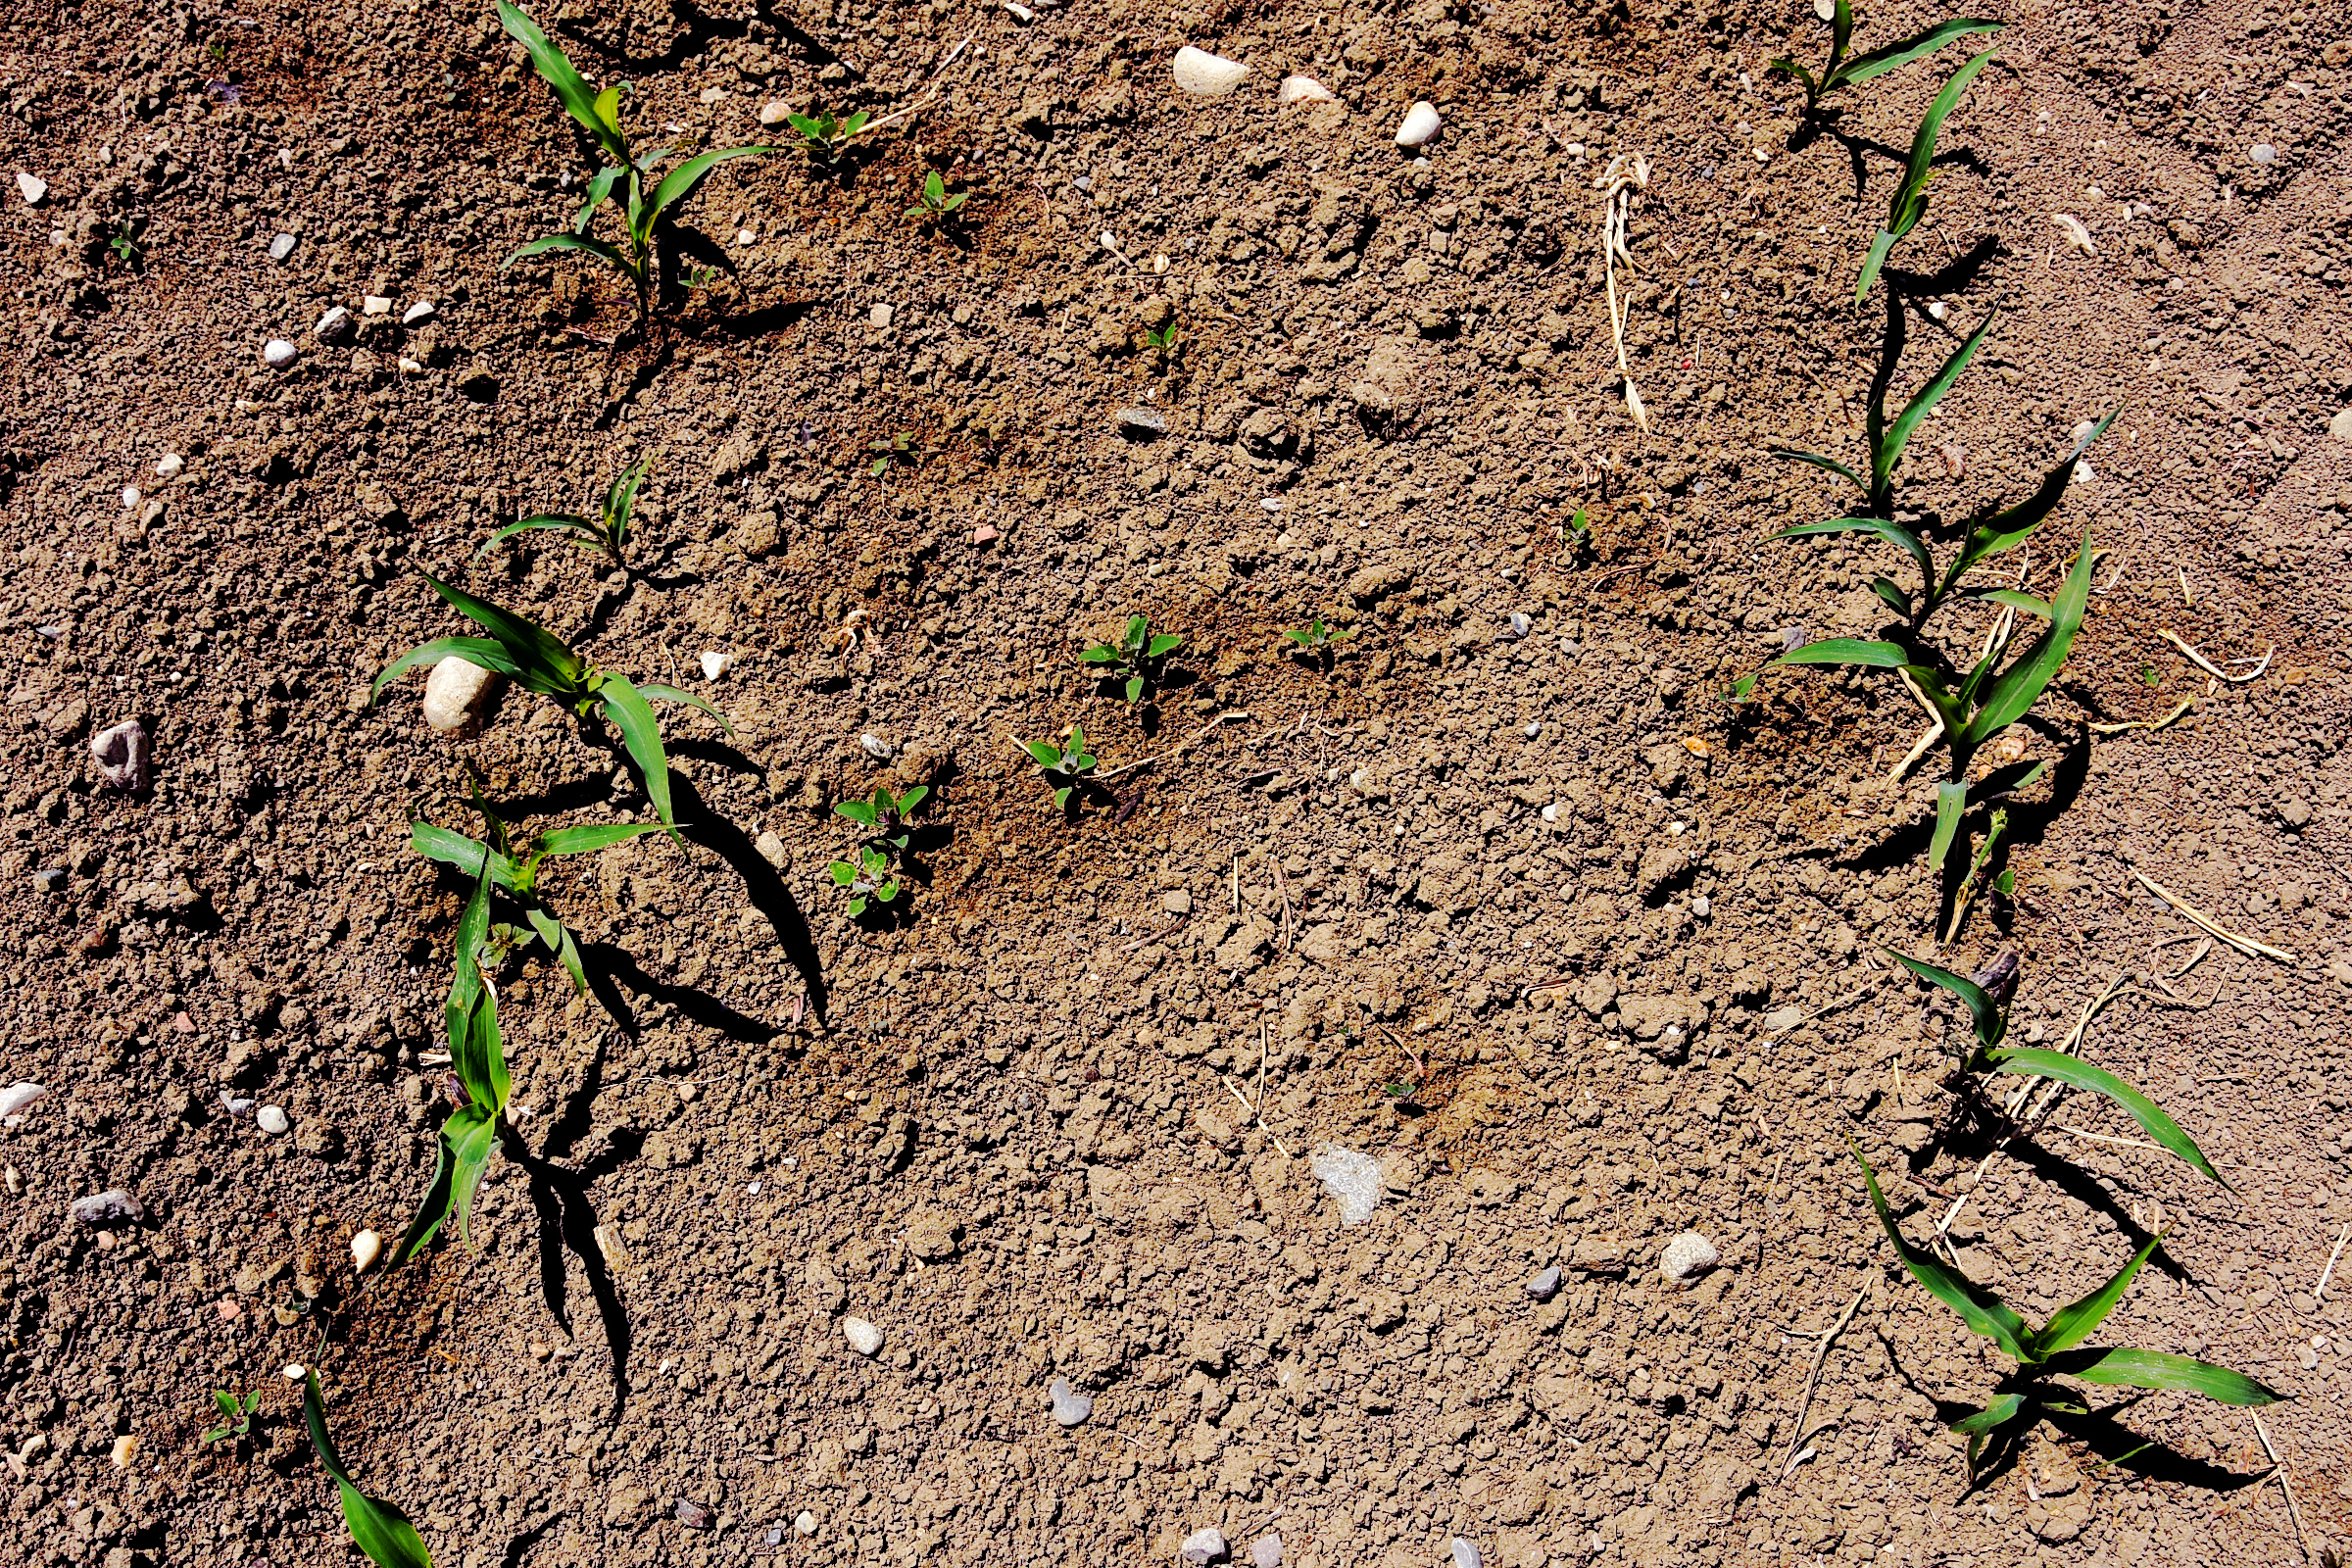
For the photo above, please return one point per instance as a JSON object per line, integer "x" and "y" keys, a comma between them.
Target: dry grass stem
{"x": 2196, "y": 916}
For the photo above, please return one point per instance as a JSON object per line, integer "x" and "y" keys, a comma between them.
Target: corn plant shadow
{"x": 520, "y": 1547}
{"x": 609, "y": 968}
{"x": 1951, "y": 277}
{"x": 2087, "y": 1188}
{"x": 760, "y": 884}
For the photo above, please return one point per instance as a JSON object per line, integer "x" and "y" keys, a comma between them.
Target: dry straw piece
{"x": 1626, "y": 178}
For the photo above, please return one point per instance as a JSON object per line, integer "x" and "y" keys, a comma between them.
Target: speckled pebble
{"x": 270, "y": 1121}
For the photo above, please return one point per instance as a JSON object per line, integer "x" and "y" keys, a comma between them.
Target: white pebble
{"x": 1352, "y": 1178}
{"x": 1266, "y": 1551}
{"x": 450, "y": 693}
{"x": 32, "y": 187}
{"x": 421, "y": 311}
{"x": 281, "y": 247}
{"x": 277, "y": 354}
{"x": 806, "y": 1524}
{"x": 1203, "y": 1546}
{"x": 408, "y": 366}
{"x": 130, "y": 498}
{"x": 366, "y": 1248}
{"x": 1303, "y": 90}
{"x": 2262, "y": 153}
{"x": 1206, "y": 75}
{"x": 1552, "y": 813}
{"x": 1938, "y": 310}
{"x": 879, "y": 315}
{"x": 717, "y": 664}
{"x": 270, "y": 1121}
{"x": 875, "y": 746}
{"x": 335, "y": 323}
{"x": 15, "y": 1097}
{"x": 292, "y": 1372}
{"x": 774, "y": 112}
{"x": 1465, "y": 1553}
{"x": 1702, "y": 907}
{"x": 1686, "y": 1257}
{"x": 374, "y": 305}
{"x": 168, "y": 464}
{"x": 863, "y": 1337}
{"x": 2077, "y": 236}
{"x": 1420, "y": 125}
{"x": 1019, "y": 12}
{"x": 1071, "y": 1407}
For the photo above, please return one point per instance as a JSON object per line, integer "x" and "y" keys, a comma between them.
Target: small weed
{"x": 1068, "y": 767}
{"x": 898, "y": 447}
{"x": 608, "y": 532}
{"x": 933, "y": 205}
{"x": 2056, "y": 1349}
{"x": 1842, "y": 70}
{"x": 824, "y": 135}
{"x": 1987, "y": 999}
{"x": 877, "y": 872}
{"x": 1316, "y": 640}
{"x": 628, "y": 182}
{"x": 2150, "y": 676}
{"x": 1137, "y": 656}
{"x": 237, "y": 1415}
{"x": 377, "y": 1528}
{"x": 127, "y": 249}
{"x": 539, "y": 660}
{"x": 1162, "y": 342}
{"x": 1578, "y": 534}
{"x": 1909, "y": 203}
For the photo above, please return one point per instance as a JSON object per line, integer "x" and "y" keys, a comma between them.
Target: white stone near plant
{"x": 717, "y": 664}
{"x": 1420, "y": 125}
{"x": 32, "y": 187}
{"x": 451, "y": 692}
{"x": 421, "y": 311}
{"x": 366, "y": 1248}
{"x": 1206, "y": 75}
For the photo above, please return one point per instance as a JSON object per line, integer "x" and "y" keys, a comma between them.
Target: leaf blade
{"x": 1847, "y": 651}
{"x": 2029, "y": 1061}
{"x": 679, "y": 182}
{"x": 1984, "y": 1312}
{"x": 641, "y": 734}
{"x": 1982, "y": 1010}
{"x": 2076, "y": 1321}
{"x": 1894, "y": 56}
{"x": 2016, "y": 688}
{"x": 2127, "y": 1366}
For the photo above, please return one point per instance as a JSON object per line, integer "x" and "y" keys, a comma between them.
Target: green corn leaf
{"x": 377, "y": 1528}
{"x": 467, "y": 1140}
{"x": 1983, "y": 1012}
{"x": 1894, "y": 56}
{"x": 641, "y": 733}
{"x": 589, "y": 840}
{"x": 1841, "y": 34}
{"x": 859, "y": 811}
{"x": 1951, "y": 803}
{"x": 1994, "y": 651}
{"x": 473, "y": 650}
{"x": 1890, "y": 596}
{"x": 599, "y": 192}
{"x": 621, "y": 499}
{"x": 1893, "y": 533}
{"x": 2128, "y": 1367}
{"x": 2015, "y": 599}
{"x": 680, "y": 181}
{"x": 1847, "y": 650}
{"x": 1789, "y": 67}
{"x": 455, "y": 849}
{"x": 576, "y": 525}
{"x": 2030, "y": 1062}
{"x": 1165, "y": 643}
{"x": 2074, "y": 1322}
{"x": 567, "y": 954}
{"x": 1820, "y": 462}
{"x": 557, "y": 68}
{"x": 1923, "y": 403}
{"x": 1923, "y": 143}
{"x": 662, "y": 693}
{"x": 607, "y": 107}
{"x": 1982, "y": 1312}
{"x": 583, "y": 244}
{"x": 2017, "y": 687}
{"x": 543, "y": 662}
{"x": 1879, "y": 245}
{"x": 1999, "y": 1413}
{"x": 477, "y": 1052}
{"x": 2005, "y": 530}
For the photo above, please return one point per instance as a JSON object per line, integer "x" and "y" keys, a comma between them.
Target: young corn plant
{"x": 2056, "y": 1349}
{"x": 1136, "y": 658}
{"x": 477, "y": 1055}
{"x": 877, "y": 873}
{"x": 897, "y": 447}
{"x": 1909, "y": 204}
{"x": 377, "y": 1528}
{"x": 627, "y": 180}
{"x": 1068, "y": 767}
{"x": 537, "y": 659}
{"x": 933, "y": 206}
{"x": 1844, "y": 71}
{"x": 608, "y": 532}
{"x": 1986, "y": 998}
{"x": 236, "y": 1416}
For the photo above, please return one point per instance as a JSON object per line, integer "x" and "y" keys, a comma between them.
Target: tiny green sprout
{"x": 877, "y": 872}
{"x": 1986, "y": 998}
{"x": 1741, "y": 690}
{"x": 897, "y": 447}
{"x": 870, "y": 878}
{"x": 237, "y": 1415}
{"x": 537, "y": 659}
{"x": 1068, "y": 767}
{"x": 824, "y": 135}
{"x": 1161, "y": 341}
{"x": 1315, "y": 639}
{"x": 1842, "y": 70}
{"x": 646, "y": 204}
{"x": 2151, "y": 677}
{"x": 126, "y": 248}
{"x": 2056, "y": 1349}
{"x": 609, "y": 531}
{"x": 1136, "y": 657}
{"x": 377, "y": 1528}
{"x": 1909, "y": 204}
{"x": 933, "y": 205}
{"x": 2005, "y": 883}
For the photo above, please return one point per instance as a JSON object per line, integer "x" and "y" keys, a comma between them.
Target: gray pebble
{"x": 1071, "y": 1407}
{"x": 333, "y": 325}
{"x": 2263, "y": 153}
{"x": 875, "y": 746}
{"x": 693, "y": 1515}
{"x": 1266, "y": 1551}
{"x": 235, "y": 1104}
{"x": 281, "y": 247}
{"x": 277, "y": 354}
{"x": 1142, "y": 421}
{"x": 1203, "y": 1546}
{"x": 270, "y": 1121}
{"x": 1465, "y": 1553}
{"x": 105, "y": 1209}
{"x": 1544, "y": 1286}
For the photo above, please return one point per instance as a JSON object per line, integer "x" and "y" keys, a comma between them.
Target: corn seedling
{"x": 824, "y": 135}
{"x": 477, "y": 1053}
{"x": 1909, "y": 204}
{"x": 628, "y": 180}
{"x": 608, "y": 532}
{"x": 932, "y": 203}
{"x": 377, "y": 1528}
{"x": 539, "y": 660}
{"x": 1844, "y": 71}
{"x": 875, "y": 874}
{"x": 897, "y": 447}
{"x": 1068, "y": 767}
{"x": 237, "y": 1415}
{"x": 1136, "y": 657}
{"x": 2056, "y": 1349}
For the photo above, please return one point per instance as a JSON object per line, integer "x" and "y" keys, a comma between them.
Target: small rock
{"x": 121, "y": 753}
{"x": 281, "y": 247}
{"x": 1302, "y": 91}
{"x": 806, "y": 1524}
{"x": 875, "y": 746}
{"x": 169, "y": 464}
{"x": 772, "y": 849}
{"x": 421, "y": 311}
{"x": 270, "y": 1120}
{"x": 1206, "y": 75}
{"x": 1544, "y": 1286}
{"x": 2340, "y": 425}
{"x": 863, "y": 1337}
{"x": 2077, "y": 237}
{"x": 1266, "y": 1553}
{"x": 986, "y": 534}
{"x": 408, "y": 367}
{"x": 374, "y": 305}
{"x": 1420, "y": 125}
{"x": 693, "y": 1515}
{"x": 333, "y": 325}
{"x": 879, "y": 315}
{"x": 32, "y": 187}
{"x": 277, "y": 354}
{"x": 1204, "y": 1546}
{"x": 2294, "y": 812}
{"x": 1142, "y": 421}
{"x": 451, "y": 692}
{"x": 931, "y": 1235}
{"x": 1688, "y": 1256}
{"x": 2261, "y": 152}
{"x": 125, "y": 1449}
{"x": 15, "y": 1097}
{"x": 1069, "y": 1406}
{"x": 717, "y": 664}
{"x": 1352, "y": 1178}
{"x": 105, "y": 1209}
{"x": 366, "y": 1248}
{"x": 1465, "y": 1553}
{"x": 1176, "y": 901}
{"x": 774, "y": 112}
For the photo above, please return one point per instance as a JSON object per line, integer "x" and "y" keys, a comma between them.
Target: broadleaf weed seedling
{"x": 1909, "y": 204}
{"x": 826, "y": 137}
{"x": 377, "y": 1528}
{"x": 877, "y": 873}
{"x": 1317, "y": 642}
{"x": 1844, "y": 71}
{"x": 1136, "y": 657}
{"x": 236, "y": 1416}
{"x": 897, "y": 447}
{"x": 537, "y": 659}
{"x": 608, "y": 532}
{"x": 933, "y": 204}
{"x": 2056, "y": 1349}
{"x": 627, "y": 180}
{"x": 1068, "y": 767}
